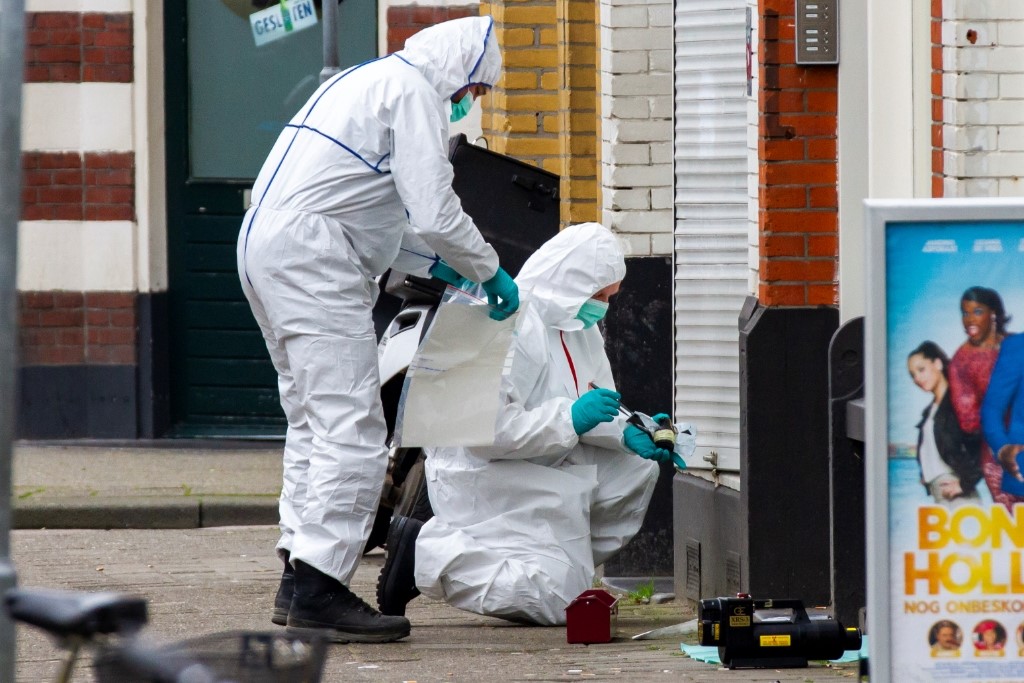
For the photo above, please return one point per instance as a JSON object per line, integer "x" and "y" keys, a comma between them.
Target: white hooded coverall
{"x": 329, "y": 213}
{"x": 519, "y": 527}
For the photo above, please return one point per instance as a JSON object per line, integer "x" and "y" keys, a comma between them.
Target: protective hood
{"x": 568, "y": 269}
{"x": 456, "y": 53}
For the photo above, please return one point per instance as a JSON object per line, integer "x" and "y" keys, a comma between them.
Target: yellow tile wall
{"x": 544, "y": 110}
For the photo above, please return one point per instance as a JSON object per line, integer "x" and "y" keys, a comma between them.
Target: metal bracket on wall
{"x": 713, "y": 461}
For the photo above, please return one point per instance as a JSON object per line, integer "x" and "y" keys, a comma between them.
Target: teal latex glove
{"x": 639, "y": 441}
{"x": 502, "y": 295}
{"x": 677, "y": 459}
{"x": 593, "y": 408}
{"x": 445, "y": 273}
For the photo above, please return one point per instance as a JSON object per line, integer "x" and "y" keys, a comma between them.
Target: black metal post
{"x": 846, "y": 473}
{"x": 330, "y": 18}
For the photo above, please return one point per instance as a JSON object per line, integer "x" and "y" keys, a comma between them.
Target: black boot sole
{"x": 400, "y": 544}
{"x": 279, "y": 616}
{"x": 336, "y": 635}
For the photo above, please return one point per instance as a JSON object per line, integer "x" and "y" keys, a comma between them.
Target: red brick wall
{"x": 71, "y": 328}
{"x": 72, "y": 47}
{"x": 95, "y": 186}
{"x": 938, "y": 147}
{"x": 67, "y": 328}
{"x": 406, "y": 20}
{"x": 798, "y": 198}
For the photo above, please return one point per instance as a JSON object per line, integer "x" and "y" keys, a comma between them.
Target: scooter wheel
{"x": 414, "y": 501}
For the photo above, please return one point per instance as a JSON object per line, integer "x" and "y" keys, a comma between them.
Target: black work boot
{"x": 322, "y": 604}
{"x": 396, "y": 585}
{"x": 283, "y": 599}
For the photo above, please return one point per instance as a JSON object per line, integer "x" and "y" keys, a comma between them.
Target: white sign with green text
{"x": 282, "y": 19}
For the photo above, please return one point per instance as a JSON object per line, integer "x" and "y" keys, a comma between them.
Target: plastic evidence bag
{"x": 452, "y": 391}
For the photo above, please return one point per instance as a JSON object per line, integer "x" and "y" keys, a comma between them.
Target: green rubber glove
{"x": 593, "y": 408}
{"x": 639, "y": 441}
{"x": 445, "y": 273}
{"x": 502, "y": 295}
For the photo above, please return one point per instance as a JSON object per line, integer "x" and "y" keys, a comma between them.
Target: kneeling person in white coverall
{"x": 358, "y": 181}
{"x": 519, "y": 527}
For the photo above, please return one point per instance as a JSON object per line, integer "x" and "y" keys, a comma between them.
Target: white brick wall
{"x": 636, "y": 123}
{"x": 983, "y": 91}
{"x": 983, "y": 9}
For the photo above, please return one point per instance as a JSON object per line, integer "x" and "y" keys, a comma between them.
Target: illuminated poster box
{"x": 944, "y": 397}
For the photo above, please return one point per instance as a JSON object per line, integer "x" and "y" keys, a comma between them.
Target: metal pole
{"x": 330, "y": 17}
{"x": 12, "y": 68}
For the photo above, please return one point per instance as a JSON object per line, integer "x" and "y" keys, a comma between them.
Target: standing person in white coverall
{"x": 358, "y": 181}
{"x": 519, "y": 527}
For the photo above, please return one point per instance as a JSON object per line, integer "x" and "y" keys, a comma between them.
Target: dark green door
{"x": 227, "y": 100}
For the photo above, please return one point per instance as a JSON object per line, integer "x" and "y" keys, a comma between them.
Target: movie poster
{"x": 954, "y": 318}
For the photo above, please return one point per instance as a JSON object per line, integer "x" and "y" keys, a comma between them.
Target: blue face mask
{"x": 461, "y": 108}
{"x": 591, "y": 312}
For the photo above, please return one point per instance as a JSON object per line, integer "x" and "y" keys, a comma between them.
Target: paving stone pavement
{"x": 159, "y": 485}
{"x": 204, "y": 580}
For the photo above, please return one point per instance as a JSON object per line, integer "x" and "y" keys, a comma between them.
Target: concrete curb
{"x": 144, "y": 512}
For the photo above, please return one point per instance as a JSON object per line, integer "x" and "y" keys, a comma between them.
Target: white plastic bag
{"x": 451, "y": 392}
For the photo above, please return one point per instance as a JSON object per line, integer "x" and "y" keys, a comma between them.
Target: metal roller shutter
{"x": 711, "y": 218}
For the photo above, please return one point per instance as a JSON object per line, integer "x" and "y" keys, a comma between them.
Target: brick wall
{"x": 521, "y": 116}
{"x": 797, "y": 196}
{"x": 72, "y": 47}
{"x": 636, "y": 127}
{"x": 76, "y": 186}
{"x": 578, "y": 109}
{"x": 544, "y": 111}
{"x": 981, "y": 103}
{"x": 73, "y": 328}
{"x": 404, "y": 21}
{"x": 936, "y": 87}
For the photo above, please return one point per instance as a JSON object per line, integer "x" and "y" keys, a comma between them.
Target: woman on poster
{"x": 989, "y": 639}
{"x": 984, "y": 319}
{"x": 949, "y": 459}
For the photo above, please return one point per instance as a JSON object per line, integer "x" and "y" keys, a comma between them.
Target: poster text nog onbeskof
{"x": 967, "y": 550}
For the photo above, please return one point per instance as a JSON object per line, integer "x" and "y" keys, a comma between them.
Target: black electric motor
{"x": 770, "y": 633}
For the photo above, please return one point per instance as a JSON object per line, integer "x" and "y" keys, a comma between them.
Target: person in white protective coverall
{"x": 358, "y": 181}
{"x": 519, "y": 527}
